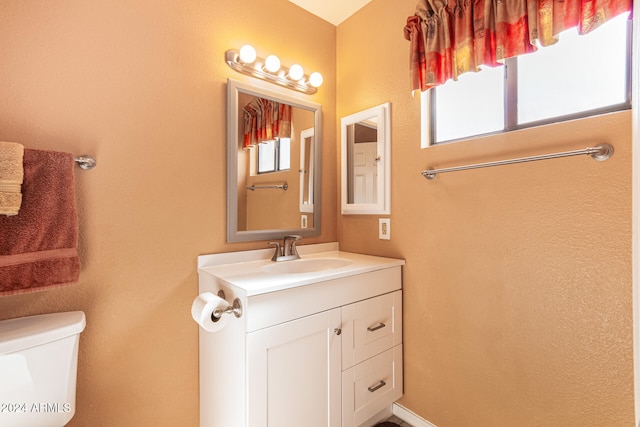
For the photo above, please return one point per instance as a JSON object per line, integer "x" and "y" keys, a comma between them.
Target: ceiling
{"x": 333, "y": 11}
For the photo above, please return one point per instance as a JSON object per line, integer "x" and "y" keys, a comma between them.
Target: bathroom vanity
{"x": 318, "y": 343}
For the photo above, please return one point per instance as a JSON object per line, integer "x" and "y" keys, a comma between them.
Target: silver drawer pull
{"x": 377, "y": 386}
{"x": 375, "y": 328}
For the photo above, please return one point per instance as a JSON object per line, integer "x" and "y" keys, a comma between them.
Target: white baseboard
{"x": 406, "y": 415}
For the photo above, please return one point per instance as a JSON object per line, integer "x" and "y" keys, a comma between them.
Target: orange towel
{"x": 11, "y": 177}
{"x": 38, "y": 247}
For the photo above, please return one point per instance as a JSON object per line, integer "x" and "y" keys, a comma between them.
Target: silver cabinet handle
{"x": 375, "y": 328}
{"x": 377, "y": 386}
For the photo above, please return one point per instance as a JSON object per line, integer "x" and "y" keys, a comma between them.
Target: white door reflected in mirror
{"x": 365, "y": 173}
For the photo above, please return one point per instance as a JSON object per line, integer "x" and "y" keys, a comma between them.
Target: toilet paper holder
{"x": 235, "y": 308}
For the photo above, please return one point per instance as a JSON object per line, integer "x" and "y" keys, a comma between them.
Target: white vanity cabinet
{"x": 317, "y": 349}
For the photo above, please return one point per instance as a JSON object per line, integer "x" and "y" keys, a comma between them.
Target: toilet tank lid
{"x": 26, "y": 332}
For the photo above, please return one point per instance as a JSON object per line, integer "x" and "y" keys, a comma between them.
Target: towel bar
{"x": 254, "y": 187}
{"x": 86, "y": 161}
{"x": 600, "y": 153}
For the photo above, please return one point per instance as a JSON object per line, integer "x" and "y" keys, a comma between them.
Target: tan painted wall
{"x": 518, "y": 279}
{"x": 141, "y": 85}
{"x": 517, "y": 301}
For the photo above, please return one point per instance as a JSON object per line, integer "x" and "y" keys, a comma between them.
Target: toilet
{"x": 38, "y": 364}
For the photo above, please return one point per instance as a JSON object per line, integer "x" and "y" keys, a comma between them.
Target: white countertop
{"x": 244, "y": 270}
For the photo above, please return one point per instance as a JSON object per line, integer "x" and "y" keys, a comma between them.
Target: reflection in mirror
{"x": 306, "y": 172}
{"x": 267, "y": 187}
{"x": 362, "y": 158}
{"x": 366, "y": 163}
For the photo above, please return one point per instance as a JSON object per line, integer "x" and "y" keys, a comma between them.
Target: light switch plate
{"x": 384, "y": 229}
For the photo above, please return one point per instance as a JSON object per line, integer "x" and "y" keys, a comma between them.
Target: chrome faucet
{"x": 290, "y": 245}
{"x": 287, "y": 251}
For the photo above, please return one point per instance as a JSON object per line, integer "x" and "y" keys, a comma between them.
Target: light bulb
{"x": 247, "y": 54}
{"x": 272, "y": 63}
{"x": 315, "y": 79}
{"x": 296, "y": 72}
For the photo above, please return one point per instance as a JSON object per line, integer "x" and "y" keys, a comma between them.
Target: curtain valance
{"x": 451, "y": 37}
{"x": 265, "y": 120}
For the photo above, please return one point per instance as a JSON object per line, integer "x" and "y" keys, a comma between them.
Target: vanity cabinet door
{"x": 294, "y": 373}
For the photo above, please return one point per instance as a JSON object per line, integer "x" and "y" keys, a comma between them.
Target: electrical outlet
{"x": 384, "y": 229}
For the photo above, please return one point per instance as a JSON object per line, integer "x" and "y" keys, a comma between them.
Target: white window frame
{"x": 281, "y": 156}
{"x": 428, "y": 103}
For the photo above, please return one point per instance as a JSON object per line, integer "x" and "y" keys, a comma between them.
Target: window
{"x": 274, "y": 155}
{"x": 581, "y": 75}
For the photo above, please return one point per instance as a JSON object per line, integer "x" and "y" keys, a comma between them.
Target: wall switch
{"x": 384, "y": 229}
{"x": 303, "y": 221}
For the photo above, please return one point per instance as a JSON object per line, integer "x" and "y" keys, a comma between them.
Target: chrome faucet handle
{"x": 293, "y": 251}
{"x": 290, "y": 248}
{"x": 278, "y": 252}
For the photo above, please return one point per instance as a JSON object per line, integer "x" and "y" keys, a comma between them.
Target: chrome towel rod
{"x": 599, "y": 152}
{"x": 254, "y": 187}
{"x": 86, "y": 161}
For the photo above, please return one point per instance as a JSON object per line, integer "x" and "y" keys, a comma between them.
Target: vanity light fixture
{"x": 315, "y": 79}
{"x": 247, "y": 54}
{"x": 246, "y": 61}
{"x": 272, "y": 64}
{"x": 296, "y": 72}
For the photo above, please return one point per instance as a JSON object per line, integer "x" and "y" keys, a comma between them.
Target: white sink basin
{"x": 301, "y": 266}
{"x": 253, "y": 273}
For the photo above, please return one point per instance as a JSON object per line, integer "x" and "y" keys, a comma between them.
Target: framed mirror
{"x": 273, "y": 163}
{"x": 366, "y": 161}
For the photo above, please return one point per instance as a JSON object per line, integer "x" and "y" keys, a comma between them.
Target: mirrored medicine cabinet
{"x": 274, "y": 147}
{"x": 366, "y": 161}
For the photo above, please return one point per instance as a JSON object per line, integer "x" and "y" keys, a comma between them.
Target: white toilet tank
{"x": 38, "y": 363}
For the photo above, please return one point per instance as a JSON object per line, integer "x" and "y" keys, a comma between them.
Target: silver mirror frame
{"x": 233, "y": 88}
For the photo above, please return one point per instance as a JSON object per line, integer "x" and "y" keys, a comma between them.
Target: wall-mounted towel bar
{"x": 254, "y": 187}
{"x": 86, "y": 162}
{"x": 599, "y": 152}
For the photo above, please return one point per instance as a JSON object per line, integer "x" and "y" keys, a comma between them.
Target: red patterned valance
{"x": 452, "y": 37}
{"x": 265, "y": 120}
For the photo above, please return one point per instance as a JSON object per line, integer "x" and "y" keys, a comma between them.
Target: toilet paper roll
{"x": 202, "y": 309}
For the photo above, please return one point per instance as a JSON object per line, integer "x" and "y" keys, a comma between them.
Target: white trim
{"x": 307, "y": 133}
{"x": 425, "y": 119}
{"x": 406, "y": 415}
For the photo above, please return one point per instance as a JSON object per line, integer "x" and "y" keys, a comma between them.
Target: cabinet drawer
{"x": 370, "y": 327}
{"x": 371, "y": 386}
